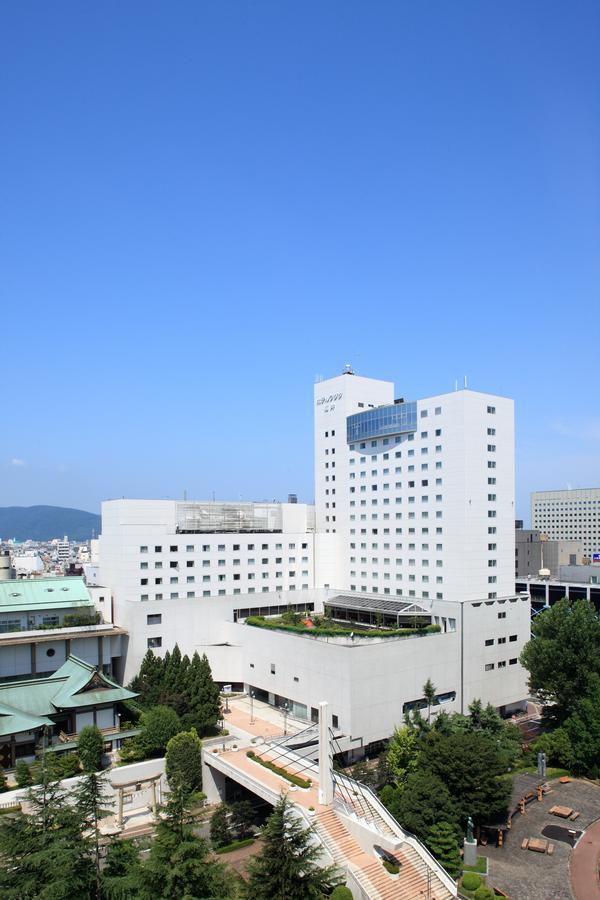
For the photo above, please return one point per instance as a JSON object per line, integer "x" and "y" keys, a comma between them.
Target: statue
{"x": 470, "y": 829}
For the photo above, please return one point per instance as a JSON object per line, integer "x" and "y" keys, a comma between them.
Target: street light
{"x": 285, "y": 715}
{"x": 252, "y": 707}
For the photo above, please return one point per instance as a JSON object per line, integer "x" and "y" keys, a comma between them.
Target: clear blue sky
{"x": 203, "y": 205}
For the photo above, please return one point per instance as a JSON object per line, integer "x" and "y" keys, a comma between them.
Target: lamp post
{"x": 285, "y": 715}
{"x": 252, "y": 707}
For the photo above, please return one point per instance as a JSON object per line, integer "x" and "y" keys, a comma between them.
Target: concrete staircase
{"x": 376, "y": 883}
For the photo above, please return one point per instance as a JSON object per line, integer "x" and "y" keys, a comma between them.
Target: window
{"x": 335, "y": 721}
{"x": 502, "y": 664}
{"x": 189, "y": 548}
{"x": 173, "y": 548}
{"x": 512, "y": 638}
{"x": 158, "y": 549}
{"x": 143, "y": 549}
{"x": 272, "y": 668}
{"x": 489, "y": 642}
{"x": 491, "y": 410}
{"x": 512, "y": 662}
{"x": 489, "y": 667}
{"x": 501, "y": 615}
{"x": 154, "y": 642}
{"x": 502, "y": 640}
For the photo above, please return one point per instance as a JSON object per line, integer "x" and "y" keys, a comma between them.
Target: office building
{"x": 535, "y": 554}
{"x": 571, "y": 515}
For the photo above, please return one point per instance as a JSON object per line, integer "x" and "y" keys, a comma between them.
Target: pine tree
{"x": 121, "y": 872}
{"x": 179, "y": 868}
{"x": 45, "y": 853}
{"x": 286, "y": 868}
{"x": 442, "y": 842}
{"x": 147, "y": 683}
{"x": 91, "y": 799}
{"x": 23, "y": 774}
{"x": 242, "y": 818}
{"x": 220, "y": 828}
{"x": 204, "y": 696}
{"x": 429, "y": 690}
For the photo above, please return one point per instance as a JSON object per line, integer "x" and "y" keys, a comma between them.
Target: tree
{"x": 158, "y": 725}
{"x": 45, "y": 853}
{"x": 442, "y": 842}
{"x": 179, "y": 868}
{"x": 421, "y": 803}
{"x": 562, "y": 655}
{"x": 469, "y": 766}
{"x": 242, "y": 818}
{"x": 582, "y": 732}
{"x": 204, "y": 696}
{"x": 23, "y": 774}
{"x": 402, "y": 754}
{"x": 429, "y": 691}
{"x": 286, "y": 868}
{"x": 220, "y": 827}
{"x": 90, "y": 747}
{"x": 3, "y": 783}
{"x": 148, "y": 682}
{"x": 121, "y": 873}
{"x": 184, "y": 761}
{"x": 92, "y": 803}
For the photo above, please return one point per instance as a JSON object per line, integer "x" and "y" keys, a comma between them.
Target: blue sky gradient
{"x": 206, "y": 205}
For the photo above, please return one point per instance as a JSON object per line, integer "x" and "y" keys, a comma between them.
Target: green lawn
{"x": 479, "y": 867}
{"x": 551, "y": 772}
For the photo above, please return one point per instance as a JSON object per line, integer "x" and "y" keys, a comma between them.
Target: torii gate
{"x": 137, "y": 785}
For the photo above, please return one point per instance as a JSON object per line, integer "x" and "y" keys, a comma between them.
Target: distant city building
{"x": 570, "y": 515}
{"x": 535, "y": 554}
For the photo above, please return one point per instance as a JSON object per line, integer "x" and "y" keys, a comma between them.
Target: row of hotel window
{"x": 489, "y": 667}
{"x": 222, "y": 592}
{"x": 250, "y": 576}
{"x": 206, "y": 563}
{"x": 190, "y": 548}
{"x": 399, "y": 592}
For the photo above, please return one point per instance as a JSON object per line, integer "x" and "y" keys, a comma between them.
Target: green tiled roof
{"x": 75, "y": 685}
{"x": 12, "y": 721}
{"x": 26, "y": 594}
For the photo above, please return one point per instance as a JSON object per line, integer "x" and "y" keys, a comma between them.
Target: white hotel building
{"x": 413, "y": 517}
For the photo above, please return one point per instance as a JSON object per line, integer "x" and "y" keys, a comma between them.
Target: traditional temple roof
{"x": 76, "y": 685}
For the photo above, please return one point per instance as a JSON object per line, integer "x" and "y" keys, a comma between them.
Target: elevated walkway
{"x": 348, "y": 829}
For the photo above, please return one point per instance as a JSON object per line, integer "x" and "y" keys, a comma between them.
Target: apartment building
{"x": 572, "y": 515}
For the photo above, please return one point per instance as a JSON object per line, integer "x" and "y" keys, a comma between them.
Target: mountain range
{"x": 43, "y": 523}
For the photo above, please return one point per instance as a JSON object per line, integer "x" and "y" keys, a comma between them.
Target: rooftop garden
{"x": 323, "y": 626}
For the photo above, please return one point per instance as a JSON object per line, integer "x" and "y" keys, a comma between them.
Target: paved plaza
{"x": 525, "y": 875}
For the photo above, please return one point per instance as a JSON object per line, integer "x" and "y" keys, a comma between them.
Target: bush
{"x": 90, "y": 747}
{"x": 484, "y": 892}
{"x": 340, "y": 631}
{"x": 341, "y": 892}
{"x": 293, "y": 779}
{"x": 392, "y": 868}
{"x": 471, "y": 881}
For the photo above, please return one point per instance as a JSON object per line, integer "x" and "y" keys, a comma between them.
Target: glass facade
{"x": 384, "y": 420}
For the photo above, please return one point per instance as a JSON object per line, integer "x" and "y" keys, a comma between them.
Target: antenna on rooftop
{"x": 465, "y": 381}
{"x": 348, "y": 370}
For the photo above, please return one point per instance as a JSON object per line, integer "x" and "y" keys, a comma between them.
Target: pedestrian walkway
{"x": 584, "y": 865}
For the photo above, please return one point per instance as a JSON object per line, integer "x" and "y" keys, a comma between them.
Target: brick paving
{"x": 525, "y": 875}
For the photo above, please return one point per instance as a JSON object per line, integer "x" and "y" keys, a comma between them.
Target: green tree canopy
{"x": 286, "y": 868}
{"x": 402, "y": 753}
{"x": 423, "y": 801}
{"x": 184, "y": 761}
{"x": 469, "y": 766}
{"x": 562, "y": 655}
{"x": 158, "y": 725}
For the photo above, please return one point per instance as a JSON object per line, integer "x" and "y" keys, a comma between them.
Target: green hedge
{"x": 260, "y": 622}
{"x": 294, "y": 779}
{"x": 235, "y": 845}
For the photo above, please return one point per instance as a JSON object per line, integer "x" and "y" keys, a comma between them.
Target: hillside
{"x": 42, "y": 523}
